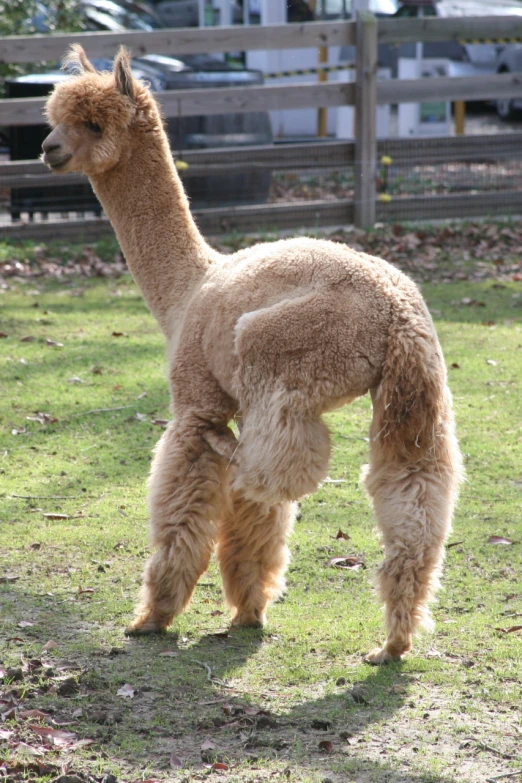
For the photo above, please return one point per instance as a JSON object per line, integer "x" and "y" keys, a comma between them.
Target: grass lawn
{"x": 82, "y": 399}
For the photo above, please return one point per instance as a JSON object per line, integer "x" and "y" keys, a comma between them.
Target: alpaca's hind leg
{"x": 413, "y": 505}
{"x": 184, "y": 502}
{"x": 253, "y": 556}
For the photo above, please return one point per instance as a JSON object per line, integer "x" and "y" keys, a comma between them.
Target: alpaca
{"x": 276, "y": 335}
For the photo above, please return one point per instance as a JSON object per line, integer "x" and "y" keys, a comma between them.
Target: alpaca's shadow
{"x": 220, "y": 719}
{"x": 196, "y": 703}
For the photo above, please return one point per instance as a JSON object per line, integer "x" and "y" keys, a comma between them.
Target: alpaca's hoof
{"x": 380, "y": 657}
{"x": 143, "y": 626}
{"x": 249, "y": 620}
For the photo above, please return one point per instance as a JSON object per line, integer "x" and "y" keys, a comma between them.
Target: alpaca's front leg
{"x": 253, "y": 556}
{"x": 185, "y": 495}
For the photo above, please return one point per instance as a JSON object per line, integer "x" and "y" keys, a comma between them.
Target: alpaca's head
{"x": 92, "y": 115}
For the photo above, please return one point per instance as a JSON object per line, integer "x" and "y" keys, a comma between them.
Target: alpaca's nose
{"x": 50, "y": 145}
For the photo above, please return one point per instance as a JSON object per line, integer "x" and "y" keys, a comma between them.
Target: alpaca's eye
{"x": 93, "y": 126}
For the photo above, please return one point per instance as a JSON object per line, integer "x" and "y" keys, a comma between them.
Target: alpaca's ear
{"x": 123, "y": 73}
{"x": 76, "y": 60}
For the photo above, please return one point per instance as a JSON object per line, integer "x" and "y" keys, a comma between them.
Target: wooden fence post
{"x": 365, "y": 119}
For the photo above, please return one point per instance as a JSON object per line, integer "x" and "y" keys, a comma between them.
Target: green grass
{"x": 449, "y": 712}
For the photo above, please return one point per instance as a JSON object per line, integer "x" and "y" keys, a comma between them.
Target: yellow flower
{"x": 182, "y": 165}
{"x": 385, "y": 197}
{"x": 386, "y": 160}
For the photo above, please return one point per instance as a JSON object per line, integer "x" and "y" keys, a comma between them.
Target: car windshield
{"x": 125, "y": 16}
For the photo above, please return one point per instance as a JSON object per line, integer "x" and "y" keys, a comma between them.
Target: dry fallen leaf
{"x": 54, "y": 342}
{"x": 499, "y": 540}
{"x": 50, "y": 645}
{"x": 30, "y": 749}
{"x": 29, "y": 339}
{"x": 126, "y": 691}
{"x": 351, "y": 562}
{"x": 492, "y": 362}
{"x": 207, "y": 744}
{"x": 54, "y": 736}
{"x": 160, "y": 422}
{"x": 169, "y": 653}
{"x": 25, "y": 624}
{"x": 33, "y": 714}
{"x": 326, "y": 746}
{"x": 513, "y": 629}
{"x": 454, "y": 543}
{"x": 43, "y": 418}
{"x": 56, "y": 515}
{"x": 341, "y": 534}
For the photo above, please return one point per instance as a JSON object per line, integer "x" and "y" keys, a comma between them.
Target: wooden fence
{"x": 364, "y": 94}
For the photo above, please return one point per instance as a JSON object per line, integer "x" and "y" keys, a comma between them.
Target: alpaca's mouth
{"x": 56, "y": 165}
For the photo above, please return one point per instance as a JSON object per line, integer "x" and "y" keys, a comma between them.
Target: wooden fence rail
{"x": 180, "y": 41}
{"x": 28, "y": 111}
{"x": 364, "y": 94}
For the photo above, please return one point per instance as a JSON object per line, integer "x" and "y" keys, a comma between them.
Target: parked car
{"x": 185, "y": 13}
{"x": 163, "y": 73}
{"x": 465, "y": 59}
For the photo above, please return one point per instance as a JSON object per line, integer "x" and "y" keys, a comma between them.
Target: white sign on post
{"x": 429, "y": 118}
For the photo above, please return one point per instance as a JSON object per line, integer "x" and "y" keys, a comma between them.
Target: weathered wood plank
{"x": 28, "y": 111}
{"x": 468, "y": 28}
{"x": 277, "y": 216}
{"x": 265, "y": 217}
{"x": 328, "y": 154}
{"x": 179, "y": 41}
{"x": 365, "y": 120}
{"x": 211, "y": 221}
{"x": 469, "y": 88}
{"x": 80, "y": 230}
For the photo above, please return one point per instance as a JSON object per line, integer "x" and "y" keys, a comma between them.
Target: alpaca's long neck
{"x": 145, "y": 202}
